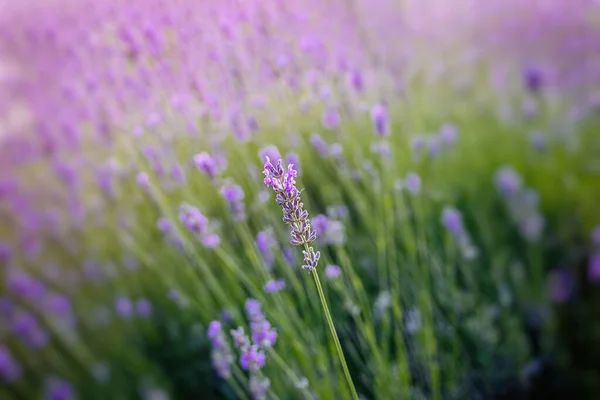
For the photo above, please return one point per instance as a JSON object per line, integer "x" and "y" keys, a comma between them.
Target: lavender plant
{"x": 288, "y": 197}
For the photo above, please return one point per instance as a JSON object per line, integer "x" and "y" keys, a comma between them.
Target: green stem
{"x": 336, "y": 340}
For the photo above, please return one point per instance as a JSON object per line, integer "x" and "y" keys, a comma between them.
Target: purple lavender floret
{"x": 274, "y": 286}
{"x": 143, "y": 307}
{"x": 332, "y": 271}
{"x": 380, "y": 119}
{"x": 262, "y": 333}
{"x": 253, "y": 360}
{"x": 508, "y": 181}
{"x": 234, "y": 195}
{"x": 452, "y": 220}
{"x": 413, "y": 183}
{"x": 533, "y": 79}
{"x": 448, "y": 134}
{"x": 221, "y": 354}
{"x": 123, "y": 307}
{"x": 206, "y": 164}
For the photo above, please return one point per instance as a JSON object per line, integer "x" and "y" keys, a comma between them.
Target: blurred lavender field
{"x": 441, "y": 203}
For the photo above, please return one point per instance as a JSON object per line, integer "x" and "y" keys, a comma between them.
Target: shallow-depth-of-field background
{"x": 447, "y": 154}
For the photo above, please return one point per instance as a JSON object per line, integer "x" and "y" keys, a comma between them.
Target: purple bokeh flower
{"x": 452, "y": 220}
{"x": 333, "y": 271}
{"x": 508, "y": 181}
{"x": 206, "y": 164}
{"x": 123, "y": 307}
{"x": 253, "y": 359}
{"x": 143, "y": 308}
{"x": 413, "y": 183}
{"x": 381, "y": 123}
{"x": 274, "y": 286}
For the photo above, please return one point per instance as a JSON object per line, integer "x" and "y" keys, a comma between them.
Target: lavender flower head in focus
{"x": 288, "y": 197}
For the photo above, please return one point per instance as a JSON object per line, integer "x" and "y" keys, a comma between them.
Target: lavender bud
{"x": 332, "y": 271}
{"x": 380, "y": 119}
{"x": 206, "y": 164}
{"x": 274, "y": 286}
{"x": 413, "y": 183}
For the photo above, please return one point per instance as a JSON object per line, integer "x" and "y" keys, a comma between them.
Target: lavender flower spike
{"x": 288, "y": 196}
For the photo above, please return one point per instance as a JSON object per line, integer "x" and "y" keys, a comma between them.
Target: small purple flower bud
{"x": 357, "y": 81}
{"x": 452, "y": 220}
{"x": 143, "y": 308}
{"x": 206, "y": 164}
{"x": 508, "y": 181}
{"x": 448, "y": 134}
{"x": 332, "y": 271}
{"x": 123, "y": 307}
{"x": 253, "y": 308}
{"x": 336, "y": 150}
{"x": 211, "y": 241}
{"x": 232, "y": 193}
{"x": 380, "y": 119}
{"x": 274, "y": 286}
{"x": 253, "y": 360}
{"x": 533, "y": 79}
{"x": 320, "y": 223}
{"x": 164, "y": 225}
{"x": 413, "y": 183}
{"x": 214, "y": 330}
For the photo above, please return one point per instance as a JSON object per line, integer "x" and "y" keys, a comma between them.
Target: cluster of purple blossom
{"x": 252, "y": 355}
{"x": 198, "y": 225}
{"x": 522, "y": 203}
